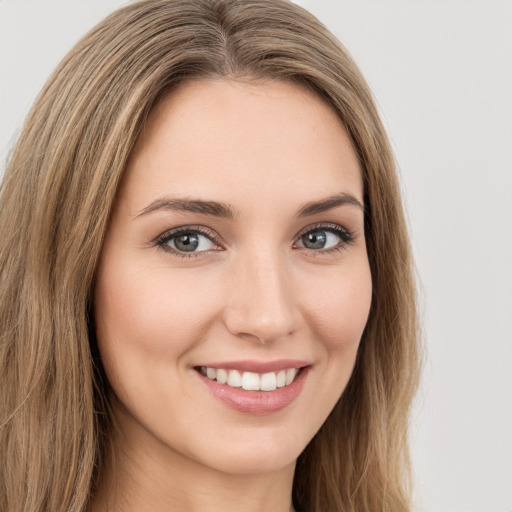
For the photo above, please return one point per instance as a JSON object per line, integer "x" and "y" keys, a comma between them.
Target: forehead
{"x": 233, "y": 139}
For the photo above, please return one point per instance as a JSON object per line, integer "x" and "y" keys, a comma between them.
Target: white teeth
{"x": 268, "y": 381}
{"x": 222, "y": 376}
{"x": 234, "y": 379}
{"x": 251, "y": 381}
{"x": 290, "y": 375}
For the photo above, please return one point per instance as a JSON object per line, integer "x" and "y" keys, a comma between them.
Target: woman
{"x": 207, "y": 292}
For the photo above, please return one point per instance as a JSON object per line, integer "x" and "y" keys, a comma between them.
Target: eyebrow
{"x": 226, "y": 211}
{"x": 213, "y": 208}
{"x": 329, "y": 203}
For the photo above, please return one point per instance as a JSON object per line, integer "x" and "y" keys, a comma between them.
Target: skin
{"x": 255, "y": 292}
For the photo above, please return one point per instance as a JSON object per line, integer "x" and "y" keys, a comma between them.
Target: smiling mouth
{"x": 251, "y": 381}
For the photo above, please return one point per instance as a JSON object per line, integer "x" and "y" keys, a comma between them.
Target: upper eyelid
{"x": 322, "y": 225}
{"x": 201, "y": 230}
{"x": 209, "y": 232}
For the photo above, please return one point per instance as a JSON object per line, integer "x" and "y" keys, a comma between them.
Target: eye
{"x": 186, "y": 241}
{"x": 325, "y": 238}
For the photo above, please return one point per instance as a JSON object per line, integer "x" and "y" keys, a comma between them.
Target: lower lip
{"x": 256, "y": 402}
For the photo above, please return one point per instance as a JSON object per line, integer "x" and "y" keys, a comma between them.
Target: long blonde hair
{"x": 55, "y": 201}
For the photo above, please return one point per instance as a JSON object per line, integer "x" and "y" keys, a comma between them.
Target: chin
{"x": 250, "y": 461}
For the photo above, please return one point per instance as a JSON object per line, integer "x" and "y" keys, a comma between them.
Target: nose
{"x": 262, "y": 303}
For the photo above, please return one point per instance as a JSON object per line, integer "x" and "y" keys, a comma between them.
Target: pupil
{"x": 314, "y": 240}
{"x": 187, "y": 243}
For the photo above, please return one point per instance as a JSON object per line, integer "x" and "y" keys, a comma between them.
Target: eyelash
{"x": 345, "y": 238}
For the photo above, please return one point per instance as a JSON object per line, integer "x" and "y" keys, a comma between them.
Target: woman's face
{"x": 237, "y": 250}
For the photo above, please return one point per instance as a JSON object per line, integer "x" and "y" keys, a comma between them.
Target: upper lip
{"x": 258, "y": 366}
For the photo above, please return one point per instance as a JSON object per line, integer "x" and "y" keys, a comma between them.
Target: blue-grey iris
{"x": 187, "y": 243}
{"x": 314, "y": 239}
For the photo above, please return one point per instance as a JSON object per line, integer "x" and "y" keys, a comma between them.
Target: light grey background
{"x": 442, "y": 74}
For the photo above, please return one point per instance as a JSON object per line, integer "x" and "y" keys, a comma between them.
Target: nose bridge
{"x": 262, "y": 302}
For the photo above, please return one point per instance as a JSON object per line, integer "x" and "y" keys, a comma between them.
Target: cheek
{"x": 337, "y": 309}
{"x": 338, "y": 306}
{"x": 150, "y": 317}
